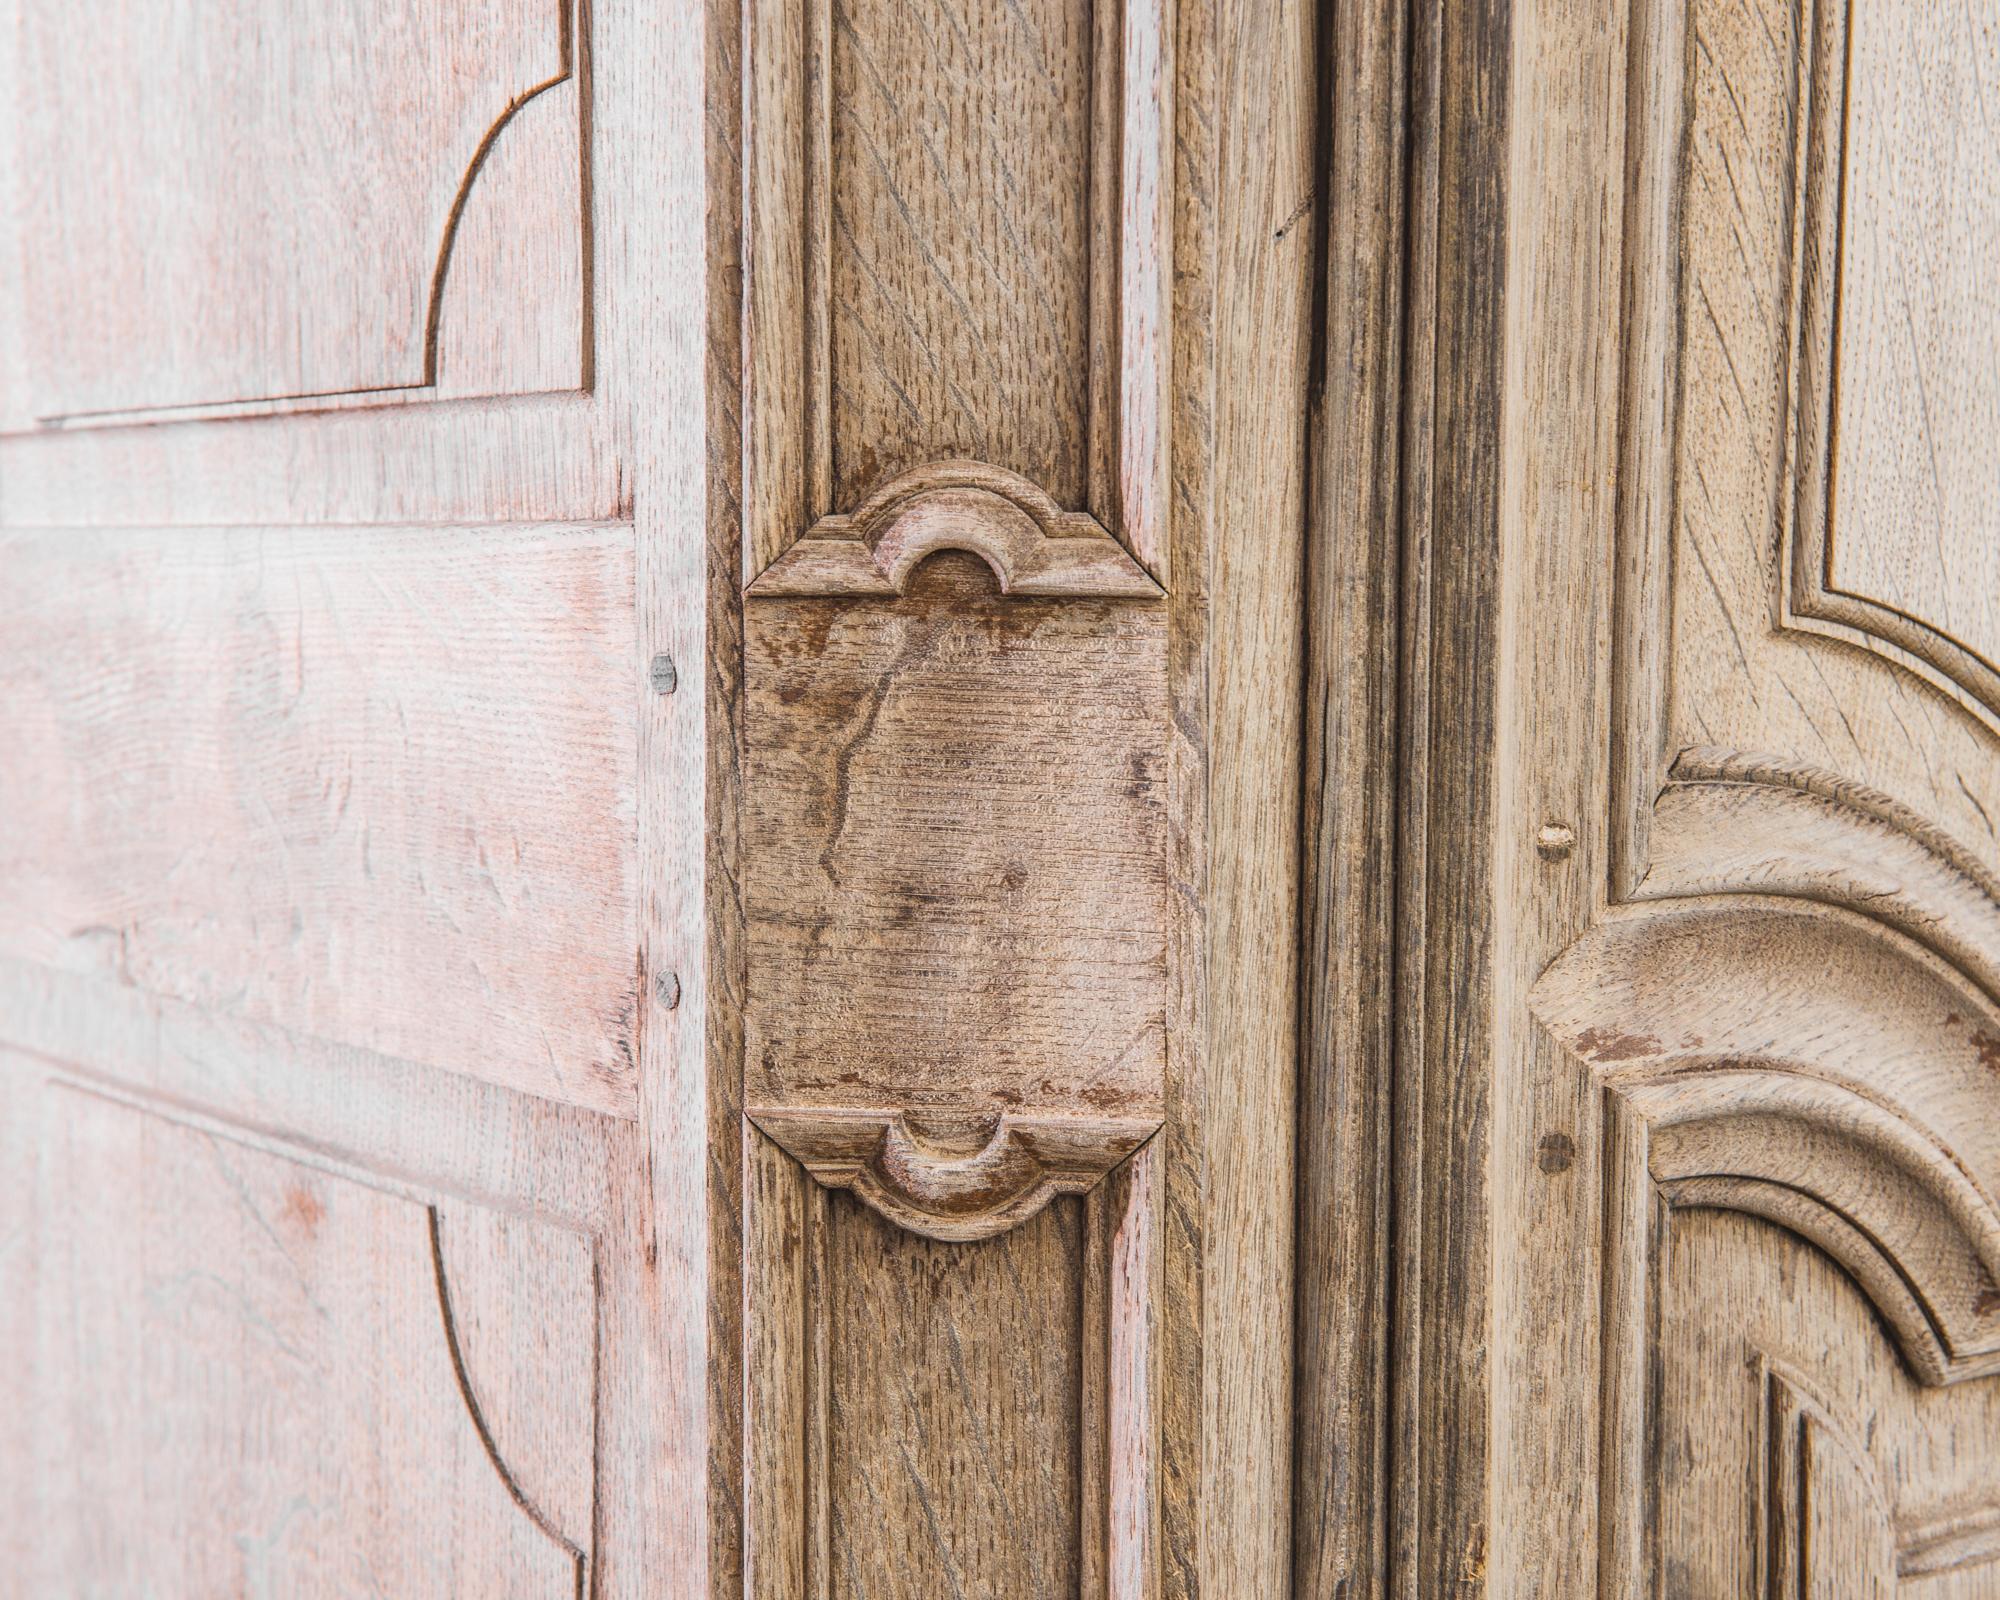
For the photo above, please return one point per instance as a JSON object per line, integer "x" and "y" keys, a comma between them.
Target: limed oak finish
{"x": 1015, "y": 799}
{"x": 649, "y": 794}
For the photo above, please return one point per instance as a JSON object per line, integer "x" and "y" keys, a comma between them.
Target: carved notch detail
{"x": 946, "y": 1193}
{"x": 1033, "y": 546}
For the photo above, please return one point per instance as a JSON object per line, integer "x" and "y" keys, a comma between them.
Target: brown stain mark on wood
{"x": 1988, "y": 1046}
{"x": 955, "y": 848}
{"x": 303, "y": 1210}
{"x": 1556, "y": 1153}
{"x": 1611, "y": 1044}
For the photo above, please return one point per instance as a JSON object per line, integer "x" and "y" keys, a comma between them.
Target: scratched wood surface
{"x": 264, "y": 641}
{"x": 1902, "y": 1486}
{"x": 1915, "y": 523}
{"x": 958, "y": 239}
{"x": 1015, "y": 870}
{"x": 958, "y": 896}
{"x": 954, "y": 1403}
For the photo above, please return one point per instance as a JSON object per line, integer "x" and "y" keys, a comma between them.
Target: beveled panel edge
{"x": 431, "y": 386}
{"x": 1809, "y": 601}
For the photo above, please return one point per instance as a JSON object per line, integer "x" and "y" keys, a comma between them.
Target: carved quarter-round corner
{"x": 1802, "y": 1007}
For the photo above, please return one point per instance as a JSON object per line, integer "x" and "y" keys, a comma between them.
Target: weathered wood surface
{"x": 958, "y": 232}
{"x": 1896, "y": 380}
{"x": 396, "y": 208}
{"x": 1017, "y": 833}
{"x": 375, "y": 785}
{"x": 957, "y": 893}
{"x": 257, "y": 1376}
{"x": 1699, "y": 863}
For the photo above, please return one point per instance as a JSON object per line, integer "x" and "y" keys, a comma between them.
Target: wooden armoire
{"x": 1000, "y": 799}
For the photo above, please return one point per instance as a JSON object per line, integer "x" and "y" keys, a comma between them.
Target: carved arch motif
{"x": 1795, "y": 1015}
{"x": 1799, "y": 1016}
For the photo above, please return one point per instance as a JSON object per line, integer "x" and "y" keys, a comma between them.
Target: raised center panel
{"x": 958, "y": 903}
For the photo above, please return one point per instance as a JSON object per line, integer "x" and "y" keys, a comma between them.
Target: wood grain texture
{"x": 1859, "y": 1481}
{"x": 953, "y": 1177}
{"x": 257, "y": 219}
{"x": 942, "y": 1416}
{"x": 429, "y": 496}
{"x": 257, "y": 1384}
{"x": 1789, "y": 1023}
{"x": 1828, "y": 1531}
{"x": 330, "y": 779}
{"x": 553, "y": 544}
{"x": 1602, "y": 446}
{"x": 955, "y": 873}
{"x": 1897, "y": 328}
{"x": 956, "y": 235}
{"x": 954, "y": 1396}
{"x": 1746, "y": 255}
{"x": 1033, "y": 546}
{"x": 1348, "y": 866}
{"x": 957, "y": 232}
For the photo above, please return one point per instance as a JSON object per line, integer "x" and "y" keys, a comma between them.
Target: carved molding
{"x": 461, "y": 1369}
{"x": 1811, "y": 598}
{"x": 1796, "y": 1017}
{"x": 955, "y": 882}
{"x": 1968, "y": 1538}
{"x": 790, "y": 386}
{"x": 1732, "y": 823}
{"x": 1828, "y": 1528}
{"x": 1801, "y": 1010}
{"x": 1033, "y": 546}
{"x": 1829, "y": 1525}
{"x": 343, "y": 1289}
{"x": 793, "y": 1417}
{"x": 947, "y": 1191}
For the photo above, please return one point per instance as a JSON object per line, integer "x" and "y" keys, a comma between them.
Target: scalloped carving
{"x": 1802, "y": 1014}
{"x": 955, "y": 883}
{"x": 943, "y": 1190}
{"x": 1033, "y": 546}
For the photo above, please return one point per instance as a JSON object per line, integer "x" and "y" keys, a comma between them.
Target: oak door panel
{"x": 376, "y": 785}
{"x": 261, "y": 1376}
{"x": 250, "y": 221}
{"x": 1784, "y": 1028}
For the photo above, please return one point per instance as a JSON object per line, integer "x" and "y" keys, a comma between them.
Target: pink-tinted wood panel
{"x": 374, "y": 785}
{"x": 221, "y": 207}
{"x": 261, "y": 1377}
